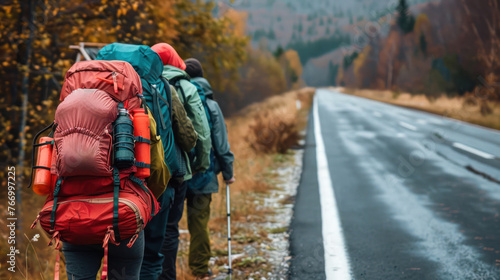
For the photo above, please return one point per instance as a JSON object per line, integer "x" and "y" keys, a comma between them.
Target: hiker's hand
{"x": 230, "y": 181}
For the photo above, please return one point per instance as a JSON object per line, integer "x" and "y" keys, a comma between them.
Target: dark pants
{"x": 198, "y": 211}
{"x": 171, "y": 243}
{"x": 83, "y": 261}
{"x": 154, "y": 234}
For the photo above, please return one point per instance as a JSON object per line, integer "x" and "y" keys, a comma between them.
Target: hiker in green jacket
{"x": 199, "y": 161}
{"x": 202, "y": 185}
{"x": 194, "y": 108}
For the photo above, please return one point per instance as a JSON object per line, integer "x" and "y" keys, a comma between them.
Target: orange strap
{"x": 33, "y": 225}
{"x": 56, "y": 273}
{"x": 104, "y": 273}
{"x": 57, "y": 238}
{"x": 115, "y": 83}
{"x": 104, "y": 80}
{"x": 116, "y": 86}
{"x": 132, "y": 240}
{"x": 109, "y": 237}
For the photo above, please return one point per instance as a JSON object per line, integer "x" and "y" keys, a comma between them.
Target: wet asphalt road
{"x": 416, "y": 194}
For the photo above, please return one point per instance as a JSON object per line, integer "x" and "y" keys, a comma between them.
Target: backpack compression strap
{"x": 57, "y": 188}
{"x": 144, "y": 104}
{"x": 116, "y": 190}
{"x": 166, "y": 101}
{"x": 113, "y": 233}
{"x": 156, "y": 107}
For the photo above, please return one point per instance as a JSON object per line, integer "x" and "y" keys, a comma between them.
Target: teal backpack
{"x": 200, "y": 180}
{"x": 147, "y": 63}
{"x": 203, "y": 98}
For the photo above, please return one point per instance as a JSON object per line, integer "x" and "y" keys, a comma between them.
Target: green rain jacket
{"x": 196, "y": 113}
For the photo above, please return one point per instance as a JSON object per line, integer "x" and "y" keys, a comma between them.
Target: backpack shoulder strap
{"x": 176, "y": 82}
{"x": 173, "y": 81}
{"x": 181, "y": 91}
{"x": 156, "y": 106}
{"x": 169, "y": 94}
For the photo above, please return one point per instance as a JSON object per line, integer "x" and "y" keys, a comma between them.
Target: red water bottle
{"x": 142, "y": 145}
{"x": 43, "y": 179}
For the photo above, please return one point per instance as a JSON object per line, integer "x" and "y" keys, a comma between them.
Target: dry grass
{"x": 252, "y": 169}
{"x": 461, "y": 108}
{"x": 39, "y": 258}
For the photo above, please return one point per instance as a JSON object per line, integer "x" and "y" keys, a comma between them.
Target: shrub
{"x": 485, "y": 108}
{"x": 274, "y": 132}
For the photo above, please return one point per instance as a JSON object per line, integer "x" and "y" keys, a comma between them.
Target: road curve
{"x": 416, "y": 196}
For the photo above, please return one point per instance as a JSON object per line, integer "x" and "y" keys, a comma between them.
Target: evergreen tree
{"x": 279, "y": 51}
{"x": 423, "y": 44}
{"x": 271, "y": 35}
{"x": 402, "y": 10}
{"x": 404, "y": 20}
{"x": 333, "y": 71}
{"x": 349, "y": 59}
{"x": 293, "y": 76}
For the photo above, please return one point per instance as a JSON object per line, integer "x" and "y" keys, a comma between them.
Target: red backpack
{"x": 92, "y": 201}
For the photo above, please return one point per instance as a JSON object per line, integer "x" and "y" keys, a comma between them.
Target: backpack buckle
{"x": 56, "y": 237}
{"x": 132, "y": 240}
{"x": 109, "y": 237}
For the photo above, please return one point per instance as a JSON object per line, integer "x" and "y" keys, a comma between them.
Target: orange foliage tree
{"x": 35, "y": 36}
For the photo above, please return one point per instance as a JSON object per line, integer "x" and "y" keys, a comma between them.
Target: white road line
{"x": 336, "y": 261}
{"x": 473, "y": 151}
{"x": 407, "y": 126}
{"x": 435, "y": 121}
{"x": 377, "y": 114}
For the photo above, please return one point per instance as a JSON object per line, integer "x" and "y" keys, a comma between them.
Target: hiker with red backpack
{"x": 176, "y": 132}
{"x": 203, "y": 185}
{"x": 199, "y": 161}
{"x": 93, "y": 166}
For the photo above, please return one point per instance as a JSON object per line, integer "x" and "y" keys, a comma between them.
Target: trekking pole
{"x": 230, "y": 271}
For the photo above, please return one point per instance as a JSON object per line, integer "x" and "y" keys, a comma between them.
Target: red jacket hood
{"x": 168, "y": 55}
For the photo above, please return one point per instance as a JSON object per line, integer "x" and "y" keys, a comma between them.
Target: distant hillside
{"x": 284, "y": 21}
{"x": 315, "y": 28}
{"x": 449, "y": 49}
